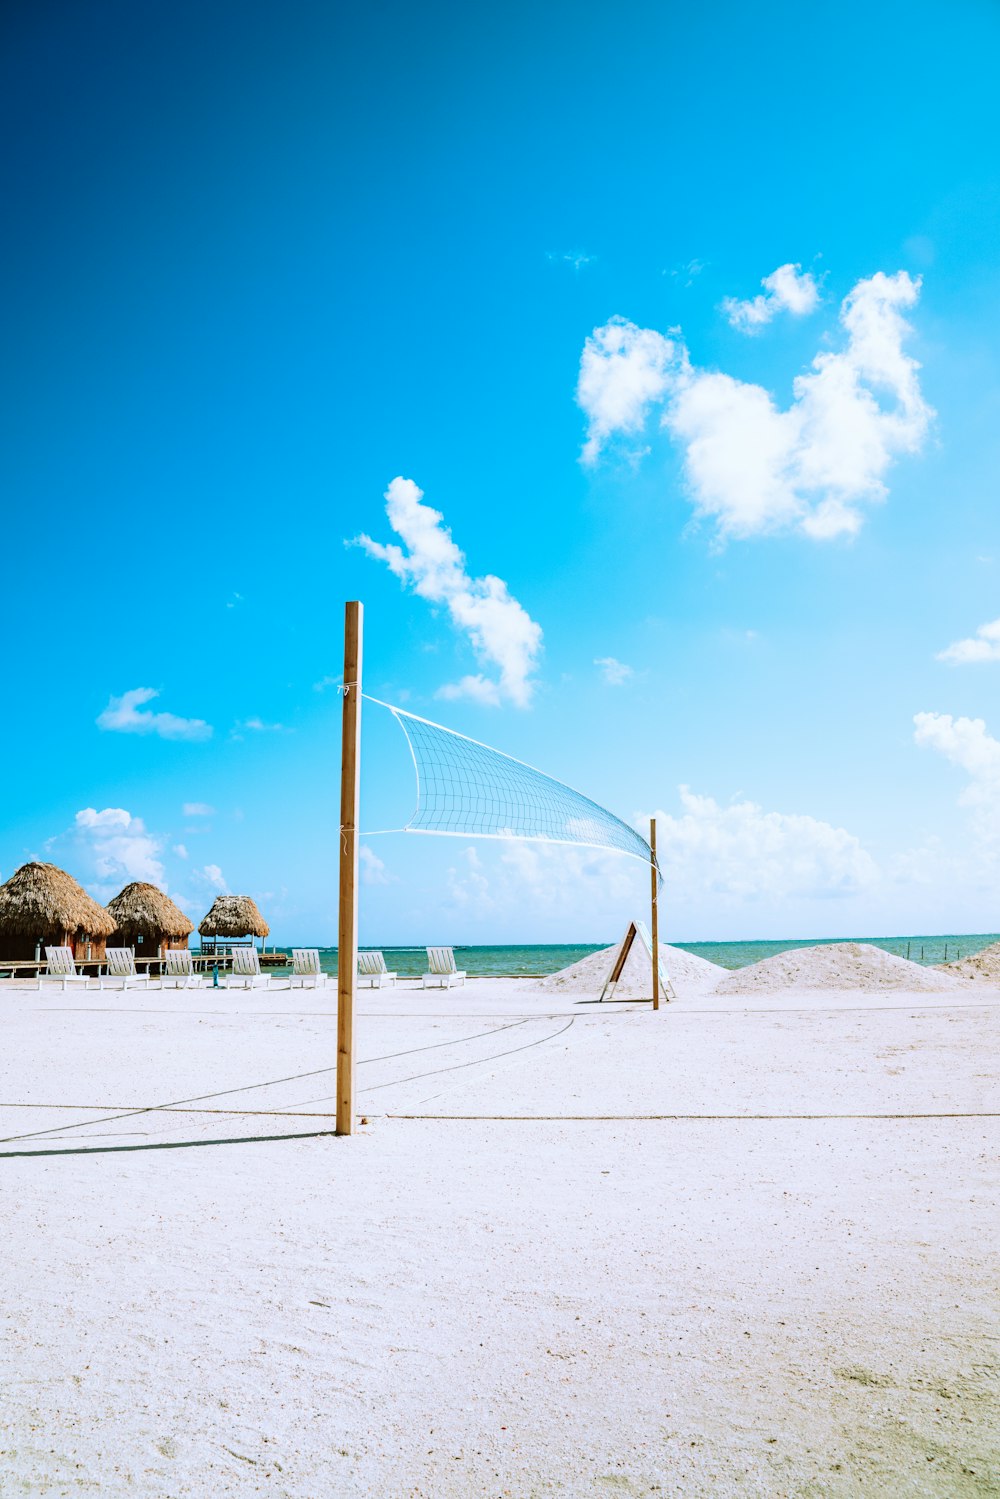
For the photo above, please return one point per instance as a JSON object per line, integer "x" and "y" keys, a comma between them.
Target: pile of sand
{"x": 983, "y": 967}
{"x": 835, "y": 965}
{"x": 687, "y": 973}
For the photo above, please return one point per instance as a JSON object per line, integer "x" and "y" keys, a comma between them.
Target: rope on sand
{"x": 652, "y": 1118}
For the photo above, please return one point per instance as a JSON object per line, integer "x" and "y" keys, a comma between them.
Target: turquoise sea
{"x": 539, "y": 959}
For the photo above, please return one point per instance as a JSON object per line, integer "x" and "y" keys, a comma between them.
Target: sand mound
{"x": 688, "y": 974}
{"x": 983, "y": 967}
{"x": 835, "y": 965}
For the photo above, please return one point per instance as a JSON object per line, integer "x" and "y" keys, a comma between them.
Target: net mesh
{"x": 467, "y": 789}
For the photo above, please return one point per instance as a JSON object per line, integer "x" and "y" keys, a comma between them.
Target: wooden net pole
{"x": 655, "y": 914}
{"x": 347, "y": 920}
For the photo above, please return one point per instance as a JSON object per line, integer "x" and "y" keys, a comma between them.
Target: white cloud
{"x": 734, "y": 866}
{"x": 967, "y": 744}
{"x": 479, "y": 688}
{"x": 750, "y": 466}
{"x": 983, "y": 646}
{"x": 325, "y": 682}
{"x": 258, "y": 726}
{"x": 740, "y": 851}
{"x": 468, "y": 885}
{"x": 373, "y": 870}
{"x": 545, "y": 881}
{"x": 502, "y": 633}
{"x": 198, "y": 809}
{"x": 623, "y": 371}
{"x": 112, "y": 848}
{"x": 123, "y": 715}
{"x": 786, "y": 289}
{"x": 615, "y": 673}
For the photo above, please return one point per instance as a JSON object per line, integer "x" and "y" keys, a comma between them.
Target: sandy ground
{"x": 743, "y": 1246}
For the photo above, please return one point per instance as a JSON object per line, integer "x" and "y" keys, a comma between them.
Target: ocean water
{"x": 539, "y": 959}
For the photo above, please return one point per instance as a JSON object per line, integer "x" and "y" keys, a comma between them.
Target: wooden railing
{"x": 30, "y": 968}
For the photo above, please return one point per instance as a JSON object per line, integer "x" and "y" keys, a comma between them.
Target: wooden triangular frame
{"x": 641, "y": 930}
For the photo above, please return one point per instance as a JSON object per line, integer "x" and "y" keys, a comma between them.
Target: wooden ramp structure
{"x": 637, "y": 929}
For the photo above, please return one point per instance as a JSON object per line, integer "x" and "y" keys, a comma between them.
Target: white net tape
{"x": 466, "y": 789}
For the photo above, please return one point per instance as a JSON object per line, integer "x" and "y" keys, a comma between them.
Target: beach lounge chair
{"x": 121, "y": 972}
{"x": 179, "y": 970}
{"x": 60, "y": 969}
{"x": 306, "y": 969}
{"x": 372, "y": 972}
{"x": 441, "y": 963}
{"x": 246, "y": 969}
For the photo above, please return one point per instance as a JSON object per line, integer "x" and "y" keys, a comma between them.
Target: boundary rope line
{"x": 329, "y": 1134}
{"x": 518, "y": 1118}
{"x": 669, "y": 1118}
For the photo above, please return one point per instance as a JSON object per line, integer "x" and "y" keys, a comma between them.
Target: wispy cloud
{"x": 575, "y": 258}
{"x": 500, "y": 630}
{"x": 983, "y": 646}
{"x": 258, "y": 726}
{"x": 198, "y": 809}
{"x": 478, "y": 689}
{"x": 211, "y": 877}
{"x": 325, "y": 682}
{"x": 615, "y": 673}
{"x": 788, "y": 289}
{"x": 687, "y": 273}
{"x": 750, "y": 466}
{"x": 125, "y": 715}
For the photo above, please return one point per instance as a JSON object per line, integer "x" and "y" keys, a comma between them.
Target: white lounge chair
{"x": 179, "y": 970}
{"x": 246, "y": 969}
{"x": 441, "y": 962}
{"x": 306, "y": 969}
{"x": 60, "y": 969}
{"x": 373, "y": 972}
{"x": 121, "y": 972}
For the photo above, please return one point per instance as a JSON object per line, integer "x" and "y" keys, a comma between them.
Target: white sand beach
{"x": 742, "y": 1246}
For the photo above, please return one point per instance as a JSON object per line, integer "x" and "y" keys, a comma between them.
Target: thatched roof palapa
{"x": 41, "y": 900}
{"x": 144, "y": 910}
{"x": 234, "y": 916}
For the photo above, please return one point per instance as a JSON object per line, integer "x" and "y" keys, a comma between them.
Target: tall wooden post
{"x": 655, "y": 921}
{"x": 347, "y": 922}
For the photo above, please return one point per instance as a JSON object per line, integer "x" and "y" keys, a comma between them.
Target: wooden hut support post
{"x": 654, "y": 914}
{"x": 347, "y": 924}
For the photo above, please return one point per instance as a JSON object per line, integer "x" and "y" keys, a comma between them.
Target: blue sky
{"x": 259, "y": 265}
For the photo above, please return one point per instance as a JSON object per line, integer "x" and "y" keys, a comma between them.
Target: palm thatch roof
{"x": 144, "y": 910}
{"x": 41, "y": 900}
{"x": 234, "y": 916}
